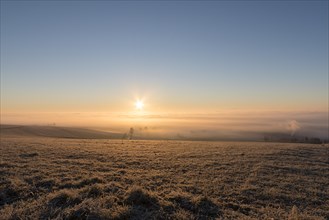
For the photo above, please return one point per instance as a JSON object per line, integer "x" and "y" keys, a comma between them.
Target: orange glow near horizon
{"x": 187, "y": 124}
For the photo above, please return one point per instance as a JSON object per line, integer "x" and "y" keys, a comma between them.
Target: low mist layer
{"x": 214, "y": 126}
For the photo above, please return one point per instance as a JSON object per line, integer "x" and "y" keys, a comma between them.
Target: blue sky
{"x": 59, "y": 56}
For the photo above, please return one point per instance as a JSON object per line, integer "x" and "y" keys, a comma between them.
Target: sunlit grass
{"x": 107, "y": 179}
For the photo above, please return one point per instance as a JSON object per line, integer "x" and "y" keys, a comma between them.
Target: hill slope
{"x": 58, "y": 132}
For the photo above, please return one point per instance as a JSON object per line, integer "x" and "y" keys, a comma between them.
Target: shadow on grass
{"x": 201, "y": 206}
{"x": 27, "y": 155}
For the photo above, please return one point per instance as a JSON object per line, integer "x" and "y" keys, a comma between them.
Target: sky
{"x": 94, "y": 59}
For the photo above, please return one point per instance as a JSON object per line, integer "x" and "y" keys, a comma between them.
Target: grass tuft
{"x": 294, "y": 213}
{"x": 63, "y": 198}
{"x": 139, "y": 196}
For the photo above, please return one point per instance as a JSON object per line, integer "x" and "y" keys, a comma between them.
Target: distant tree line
{"x": 311, "y": 140}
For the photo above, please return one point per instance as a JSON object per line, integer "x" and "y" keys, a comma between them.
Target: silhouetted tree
{"x": 266, "y": 139}
{"x": 306, "y": 139}
{"x": 131, "y": 133}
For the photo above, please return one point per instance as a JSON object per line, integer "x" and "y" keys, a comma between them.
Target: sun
{"x": 139, "y": 105}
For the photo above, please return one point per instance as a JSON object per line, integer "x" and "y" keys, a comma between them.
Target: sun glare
{"x": 139, "y": 105}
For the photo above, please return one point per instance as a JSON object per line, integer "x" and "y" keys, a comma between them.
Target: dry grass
{"x": 45, "y": 178}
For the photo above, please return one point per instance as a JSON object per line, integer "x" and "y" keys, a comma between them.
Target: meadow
{"x": 62, "y": 178}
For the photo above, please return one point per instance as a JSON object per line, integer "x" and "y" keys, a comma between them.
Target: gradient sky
{"x": 209, "y": 56}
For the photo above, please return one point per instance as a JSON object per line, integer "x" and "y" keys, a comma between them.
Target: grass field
{"x": 53, "y": 178}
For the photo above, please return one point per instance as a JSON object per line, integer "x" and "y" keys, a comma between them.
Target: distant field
{"x": 53, "y": 178}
